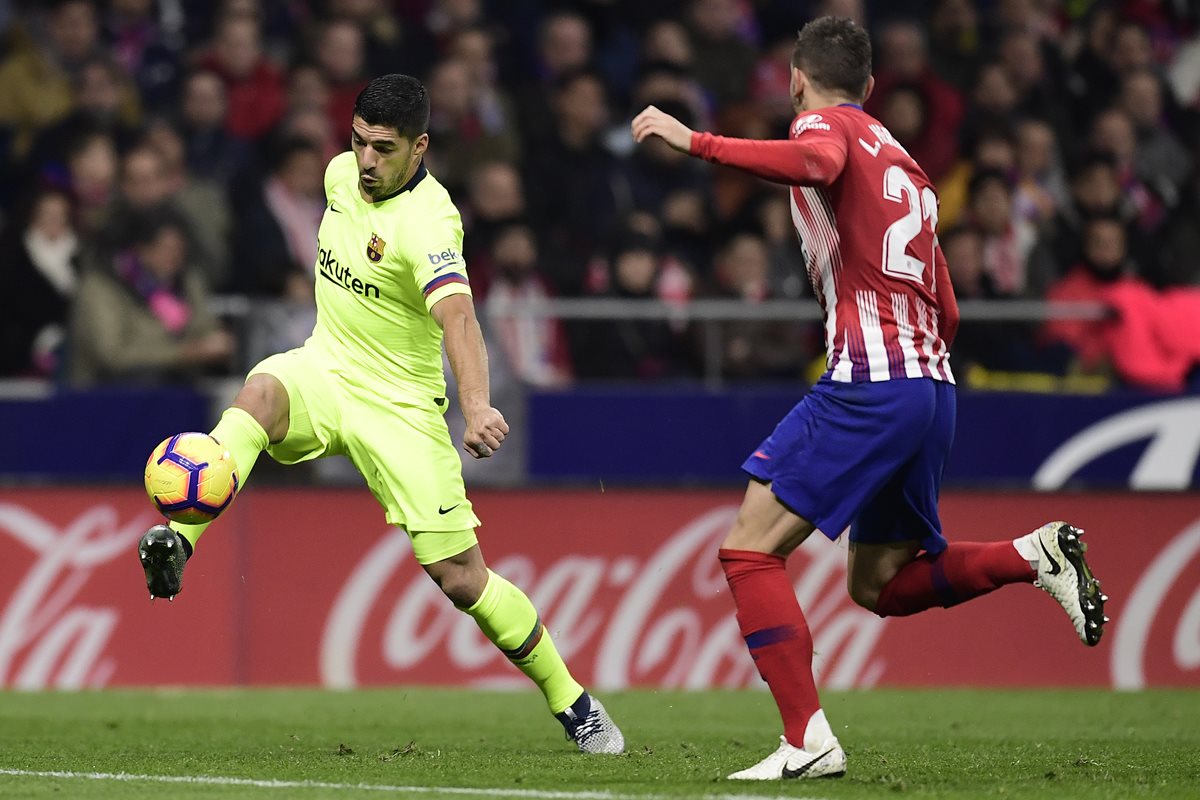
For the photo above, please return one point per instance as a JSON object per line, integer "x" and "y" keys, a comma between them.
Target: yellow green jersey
{"x": 380, "y": 268}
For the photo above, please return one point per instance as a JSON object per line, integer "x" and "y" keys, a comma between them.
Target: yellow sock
{"x": 510, "y": 621}
{"x": 245, "y": 439}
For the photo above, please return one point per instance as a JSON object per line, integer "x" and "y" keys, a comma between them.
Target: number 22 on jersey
{"x": 922, "y": 208}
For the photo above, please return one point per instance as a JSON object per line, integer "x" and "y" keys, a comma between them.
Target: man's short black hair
{"x": 395, "y": 101}
{"x": 835, "y": 54}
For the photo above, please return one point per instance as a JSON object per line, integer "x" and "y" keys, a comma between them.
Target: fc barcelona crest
{"x": 375, "y": 248}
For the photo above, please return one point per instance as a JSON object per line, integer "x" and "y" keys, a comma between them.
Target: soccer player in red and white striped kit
{"x": 866, "y": 447}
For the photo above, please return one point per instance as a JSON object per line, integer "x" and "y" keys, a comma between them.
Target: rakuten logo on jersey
{"x": 665, "y": 619}
{"x": 339, "y": 274}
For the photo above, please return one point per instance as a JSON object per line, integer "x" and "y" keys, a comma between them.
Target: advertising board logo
{"x": 50, "y": 636}
{"x": 1172, "y": 428}
{"x": 665, "y": 619}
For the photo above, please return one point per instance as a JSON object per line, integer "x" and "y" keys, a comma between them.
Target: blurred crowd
{"x": 156, "y": 153}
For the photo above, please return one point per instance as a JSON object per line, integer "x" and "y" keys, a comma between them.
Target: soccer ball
{"x": 191, "y": 478}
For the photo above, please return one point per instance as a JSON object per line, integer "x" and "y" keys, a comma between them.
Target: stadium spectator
{"x": 254, "y": 87}
{"x": 1152, "y": 339}
{"x": 755, "y": 349}
{"x": 724, "y": 53}
{"x": 904, "y": 112}
{"x": 1180, "y": 260}
{"x": 769, "y": 85}
{"x": 564, "y": 46}
{"x": 788, "y": 276}
{"x": 393, "y": 42}
{"x": 1113, "y": 134}
{"x": 1034, "y": 70}
{"x": 631, "y": 349}
{"x": 140, "y": 46}
{"x": 1015, "y": 261}
{"x": 91, "y": 178}
{"x": 36, "y": 77}
{"x": 495, "y": 199}
{"x": 1041, "y": 186}
{"x": 40, "y": 275}
{"x": 464, "y": 129}
{"x": 955, "y": 41}
{"x": 275, "y": 233}
{"x": 211, "y": 149}
{"x": 993, "y": 102}
{"x": 1161, "y": 158}
{"x": 143, "y": 318}
{"x": 445, "y": 18}
{"x": 535, "y": 347}
{"x": 658, "y": 175}
{"x": 1104, "y": 261}
{"x": 200, "y": 199}
{"x": 994, "y": 148}
{"x": 341, "y": 55}
{"x": 1094, "y": 191}
{"x": 581, "y": 188}
{"x": 902, "y": 60}
{"x": 103, "y": 101}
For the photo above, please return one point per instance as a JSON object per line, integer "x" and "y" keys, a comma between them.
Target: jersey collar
{"x": 850, "y": 105}
{"x": 411, "y": 184}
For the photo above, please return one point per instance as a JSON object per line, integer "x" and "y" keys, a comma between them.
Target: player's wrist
{"x": 474, "y": 404}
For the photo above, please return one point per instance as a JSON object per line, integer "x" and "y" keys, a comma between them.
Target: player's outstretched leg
{"x": 1050, "y": 557}
{"x": 1063, "y": 573}
{"x": 509, "y": 620}
{"x": 164, "y": 549}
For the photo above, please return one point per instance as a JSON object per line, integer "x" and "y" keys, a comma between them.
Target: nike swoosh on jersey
{"x": 334, "y": 208}
{"x": 448, "y": 510}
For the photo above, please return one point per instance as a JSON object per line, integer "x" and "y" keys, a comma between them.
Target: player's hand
{"x": 653, "y": 122}
{"x": 486, "y": 430}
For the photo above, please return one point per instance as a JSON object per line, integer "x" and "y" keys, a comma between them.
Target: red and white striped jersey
{"x": 866, "y": 215}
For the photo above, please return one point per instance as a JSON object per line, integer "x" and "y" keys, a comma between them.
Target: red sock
{"x": 962, "y": 571}
{"x": 776, "y": 633}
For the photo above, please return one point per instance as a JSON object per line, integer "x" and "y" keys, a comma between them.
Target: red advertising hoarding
{"x": 312, "y": 587}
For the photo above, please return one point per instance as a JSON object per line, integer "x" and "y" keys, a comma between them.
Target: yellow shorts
{"x": 402, "y": 449}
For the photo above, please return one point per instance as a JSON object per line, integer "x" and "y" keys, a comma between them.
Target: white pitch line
{"x": 465, "y": 791}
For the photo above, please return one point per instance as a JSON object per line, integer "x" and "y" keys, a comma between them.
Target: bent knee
{"x": 865, "y": 594}
{"x": 463, "y": 586}
{"x": 265, "y": 398}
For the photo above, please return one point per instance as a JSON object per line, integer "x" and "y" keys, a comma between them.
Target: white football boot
{"x": 794, "y": 762}
{"x": 588, "y": 724}
{"x": 1063, "y": 573}
{"x": 821, "y": 757}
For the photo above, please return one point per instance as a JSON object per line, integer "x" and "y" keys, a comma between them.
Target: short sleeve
{"x": 438, "y": 266}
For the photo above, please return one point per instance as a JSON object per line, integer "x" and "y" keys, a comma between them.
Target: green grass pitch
{"x": 432, "y": 743}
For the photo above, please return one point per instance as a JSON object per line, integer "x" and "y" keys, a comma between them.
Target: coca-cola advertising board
{"x": 312, "y": 587}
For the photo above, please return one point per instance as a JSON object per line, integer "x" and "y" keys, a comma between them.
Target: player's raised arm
{"x": 486, "y": 427}
{"x": 788, "y": 161}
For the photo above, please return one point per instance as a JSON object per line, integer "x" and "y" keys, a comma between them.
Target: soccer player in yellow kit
{"x": 368, "y": 384}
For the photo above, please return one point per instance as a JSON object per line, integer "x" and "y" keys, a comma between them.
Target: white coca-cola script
{"x": 661, "y": 620}
{"x": 50, "y": 637}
